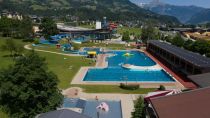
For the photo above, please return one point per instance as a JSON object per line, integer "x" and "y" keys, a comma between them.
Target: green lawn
{"x": 136, "y": 31}
{"x": 112, "y": 89}
{"x": 47, "y": 48}
{"x": 6, "y": 60}
{"x": 65, "y": 67}
{"x": 3, "y": 115}
{"x": 88, "y": 26}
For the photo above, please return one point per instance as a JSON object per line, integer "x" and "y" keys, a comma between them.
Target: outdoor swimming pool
{"x": 89, "y": 107}
{"x": 116, "y": 73}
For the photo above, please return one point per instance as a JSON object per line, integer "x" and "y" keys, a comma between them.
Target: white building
{"x": 98, "y": 25}
{"x": 11, "y": 15}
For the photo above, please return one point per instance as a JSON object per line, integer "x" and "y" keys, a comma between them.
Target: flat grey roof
{"x": 202, "y": 80}
{"x": 63, "y": 113}
{"x": 188, "y": 56}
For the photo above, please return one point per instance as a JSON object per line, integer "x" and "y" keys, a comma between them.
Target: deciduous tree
{"x": 28, "y": 88}
{"x": 48, "y": 27}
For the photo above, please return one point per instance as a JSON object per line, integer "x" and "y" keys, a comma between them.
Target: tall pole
{"x": 97, "y": 114}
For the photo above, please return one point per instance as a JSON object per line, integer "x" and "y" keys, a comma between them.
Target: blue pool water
{"x": 89, "y": 107}
{"x": 137, "y": 58}
{"x": 116, "y": 73}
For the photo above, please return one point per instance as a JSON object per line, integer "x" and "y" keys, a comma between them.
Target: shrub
{"x": 162, "y": 88}
{"x": 76, "y": 46}
{"x": 36, "y": 41}
{"x": 139, "y": 109}
{"x": 129, "y": 87}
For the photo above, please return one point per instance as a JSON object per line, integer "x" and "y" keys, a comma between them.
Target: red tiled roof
{"x": 191, "y": 104}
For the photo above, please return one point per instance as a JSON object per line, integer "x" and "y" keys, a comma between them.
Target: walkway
{"x": 101, "y": 61}
{"x": 186, "y": 84}
{"x": 127, "y": 104}
{"x": 29, "y": 48}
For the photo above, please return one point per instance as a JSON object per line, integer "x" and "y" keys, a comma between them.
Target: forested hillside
{"x": 86, "y": 9}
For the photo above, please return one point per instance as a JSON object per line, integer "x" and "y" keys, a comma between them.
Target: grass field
{"x": 65, "y": 67}
{"x": 112, "y": 89}
{"x": 3, "y": 115}
{"x": 6, "y": 60}
{"x": 136, "y": 31}
{"x": 88, "y": 26}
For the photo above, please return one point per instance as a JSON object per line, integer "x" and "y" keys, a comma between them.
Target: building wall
{"x": 174, "y": 62}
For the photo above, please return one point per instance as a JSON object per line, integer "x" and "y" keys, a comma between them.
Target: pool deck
{"x": 127, "y": 105}
{"x": 102, "y": 63}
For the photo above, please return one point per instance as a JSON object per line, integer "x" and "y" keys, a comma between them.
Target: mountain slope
{"x": 86, "y": 9}
{"x": 200, "y": 17}
{"x": 183, "y": 13}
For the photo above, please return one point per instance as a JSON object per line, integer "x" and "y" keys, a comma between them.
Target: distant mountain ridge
{"x": 86, "y": 9}
{"x": 185, "y": 14}
{"x": 200, "y": 17}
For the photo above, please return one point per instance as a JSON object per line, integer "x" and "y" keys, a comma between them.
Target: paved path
{"x": 101, "y": 61}
{"x": 127, "y": 104}
{"x": 29, "y": 48}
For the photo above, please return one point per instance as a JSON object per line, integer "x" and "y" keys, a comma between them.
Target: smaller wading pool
{"x": 89, "y": 107}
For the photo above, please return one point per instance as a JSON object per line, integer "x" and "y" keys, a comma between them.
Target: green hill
{"x": 201, "y": 17}
{"x": 86, "y": 9}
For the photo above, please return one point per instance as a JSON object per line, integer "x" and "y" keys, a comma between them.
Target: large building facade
{"x": 179, "y": 60}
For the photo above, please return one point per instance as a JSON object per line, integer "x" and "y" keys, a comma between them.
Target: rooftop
{"x": 188, "y": 56}
{"x": 202, "y": 80}
{"x": 191, "y": 104}
{"x": 71, "y": 28}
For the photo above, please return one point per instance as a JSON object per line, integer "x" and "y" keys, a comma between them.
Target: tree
{"x": 188, "y": 44}
{"x": 126, "y": 36}
{"x": 27, "y": 88}
{"x": 11, "y": 46}
{"x": 178, "y": 41}
{"x": 25, "y": 28}
{"x": 201, "y": 46}
{"x": 148, "y": 33}
{"x": 162, "y": 88}
{"x": 15, "y": 28}
{"x": 48, "y": 27}
{"x": 139, "y": 109}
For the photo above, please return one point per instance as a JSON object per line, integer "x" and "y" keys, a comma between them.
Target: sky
{"x": 201, "y": 3}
